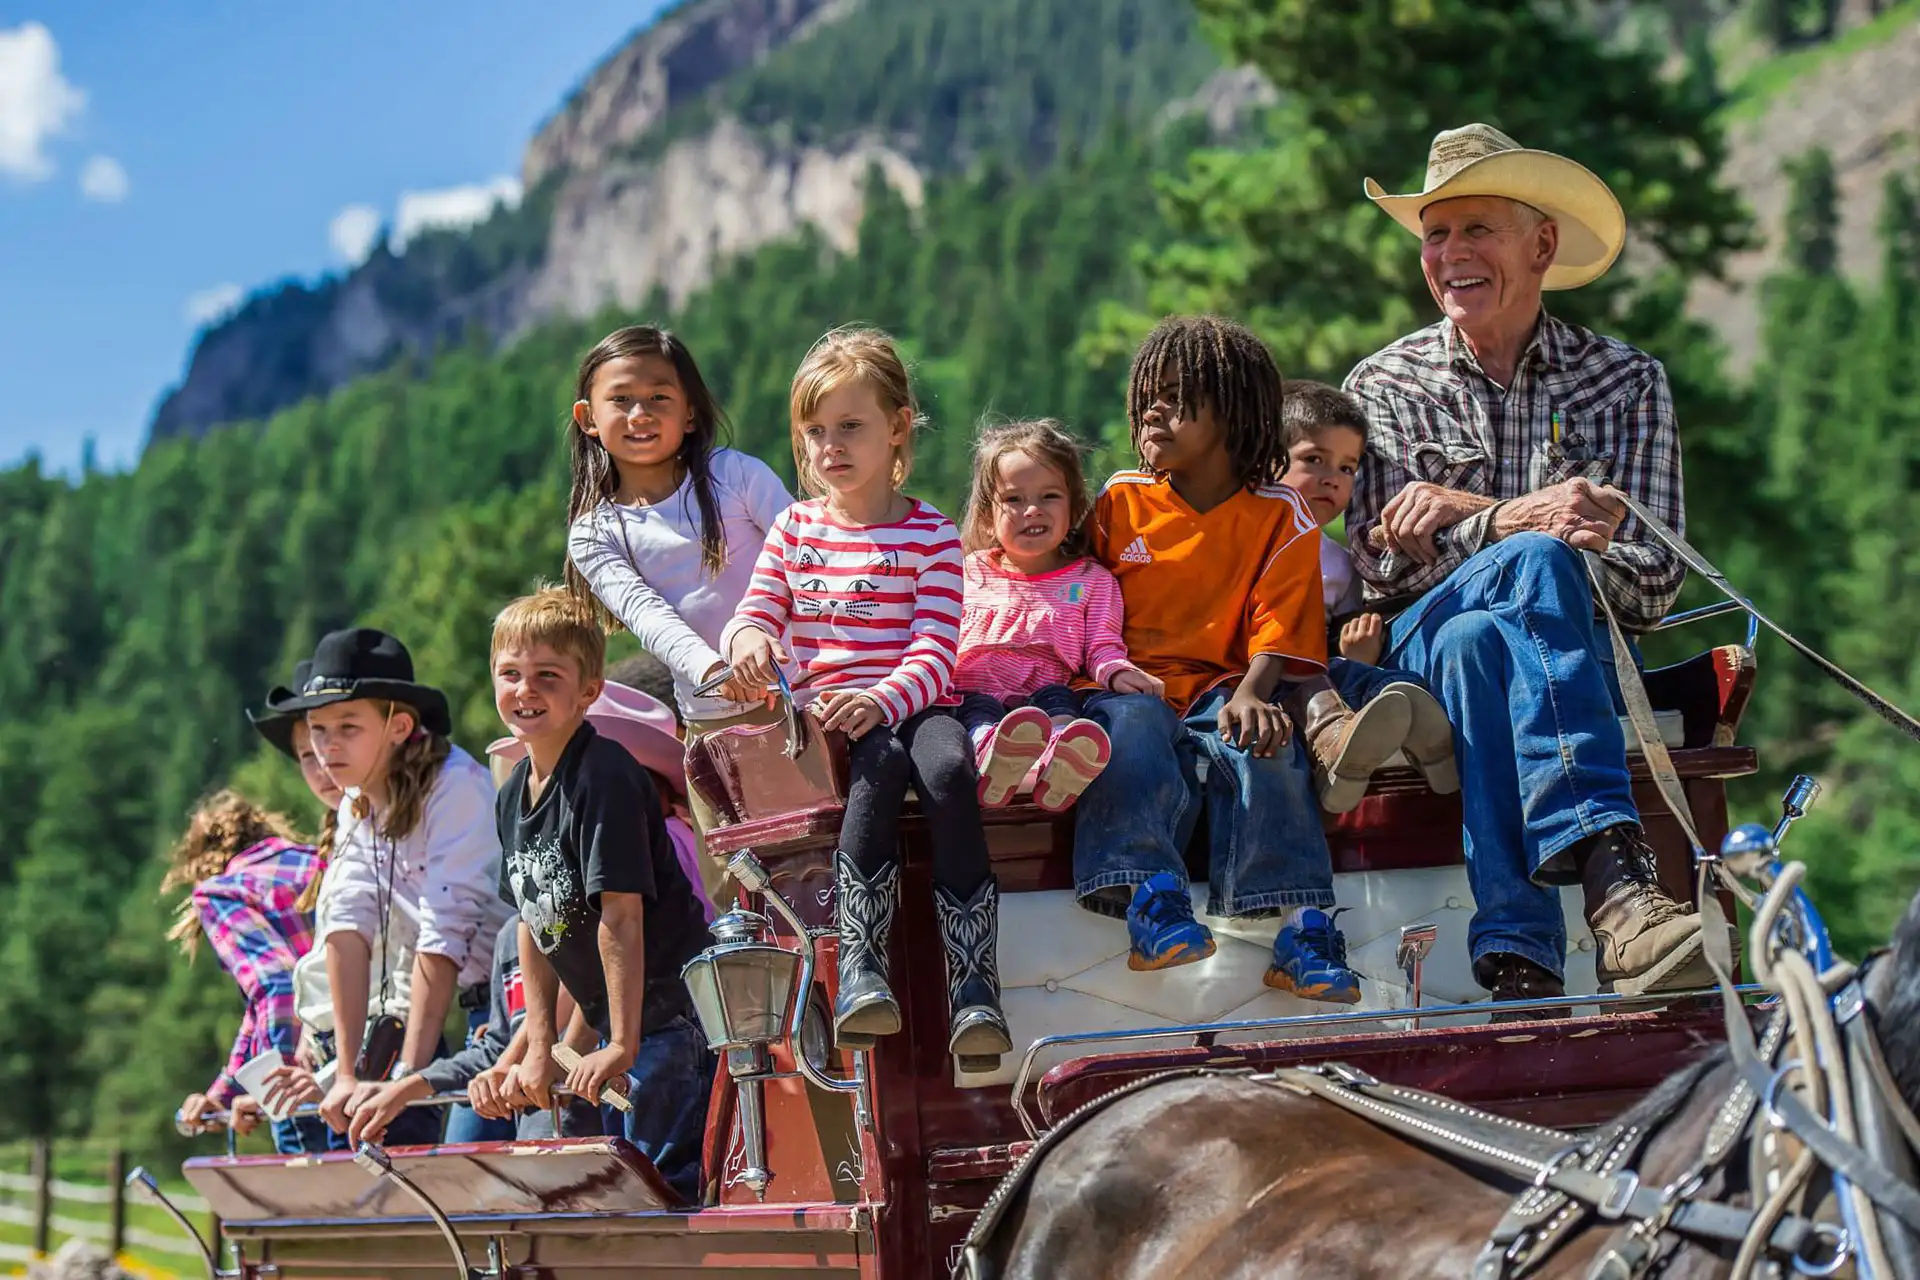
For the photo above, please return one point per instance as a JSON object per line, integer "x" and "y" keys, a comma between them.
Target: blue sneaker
{"x": 1161, "y": 926}
{"x": 1310, "y": 960}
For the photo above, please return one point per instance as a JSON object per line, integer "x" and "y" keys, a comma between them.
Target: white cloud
{"x": 353, "y": 231}
{"x": 210, "y": 305}
{"x": 104, "y": 180}
{"x": 36, "y": 102}
{"x": 455, "y": 207}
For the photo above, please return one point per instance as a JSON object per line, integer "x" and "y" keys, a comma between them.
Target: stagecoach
{"x": 875, "y": 1164}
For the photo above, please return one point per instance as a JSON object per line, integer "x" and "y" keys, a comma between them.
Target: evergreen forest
{"x": 142, "y": 611}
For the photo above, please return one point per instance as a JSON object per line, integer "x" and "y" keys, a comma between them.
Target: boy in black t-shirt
{"x": 604, "y": 905}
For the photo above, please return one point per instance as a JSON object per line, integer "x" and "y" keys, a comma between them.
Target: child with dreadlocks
{"x": 1219, "y": 568}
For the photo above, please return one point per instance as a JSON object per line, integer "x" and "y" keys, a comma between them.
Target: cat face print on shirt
{"x": 821, "y": 591}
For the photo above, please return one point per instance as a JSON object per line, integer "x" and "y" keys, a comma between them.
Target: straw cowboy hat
{"x": 1479, "y": 160}
{"x": 641, "y": 723}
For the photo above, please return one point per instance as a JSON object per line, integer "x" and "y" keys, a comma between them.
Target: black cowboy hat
{"x": 277, "y": 726}
{"x": 361, "y": 663}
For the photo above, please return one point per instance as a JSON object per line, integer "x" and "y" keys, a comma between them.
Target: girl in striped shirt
{"x": 858, "y": 591}
{"x": 1038, "y": 616}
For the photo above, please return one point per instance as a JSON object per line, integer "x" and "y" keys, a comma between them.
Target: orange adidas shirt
{"x": 1205, "y": 594}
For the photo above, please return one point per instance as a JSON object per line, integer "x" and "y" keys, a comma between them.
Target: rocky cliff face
{"x": 685, "y": 53}
{"x": 1863, "y": 107}
{"x": 617, "y": 225}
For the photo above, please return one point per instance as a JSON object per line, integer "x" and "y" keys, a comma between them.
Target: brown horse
{"x": 1219, "y": 1176}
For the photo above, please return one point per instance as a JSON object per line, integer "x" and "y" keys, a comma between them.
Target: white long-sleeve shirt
{"x": 446, "y": 893}
{"x": 643, "y": 562}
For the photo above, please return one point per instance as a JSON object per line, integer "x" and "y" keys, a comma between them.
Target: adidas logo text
{"x": 1137, "y": 553}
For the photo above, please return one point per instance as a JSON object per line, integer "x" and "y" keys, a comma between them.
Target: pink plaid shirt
{"x": 248, "y": 914}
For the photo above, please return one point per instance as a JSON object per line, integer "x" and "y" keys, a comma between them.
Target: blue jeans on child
{"x": 464, "y": 1124}
{"x": 979, "y": 711}
{"x": 669, "y": 1084}
{"x": 1509, "y": 644}
{"x": 1357, "y": 682}
{"x": 1266, "y": 846}
{"x": 300, "y": 1136}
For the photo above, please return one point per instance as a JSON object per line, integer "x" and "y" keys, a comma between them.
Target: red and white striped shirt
{"x": 1022, "y": 632}
{"x": 874, "y": 607}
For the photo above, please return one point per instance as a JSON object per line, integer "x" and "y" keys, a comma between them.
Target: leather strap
{"x": 1701, "y": 565}
{"x": 1633, "y": 691}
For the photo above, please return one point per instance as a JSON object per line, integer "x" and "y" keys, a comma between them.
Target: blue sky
{"x": 153, "y": 157}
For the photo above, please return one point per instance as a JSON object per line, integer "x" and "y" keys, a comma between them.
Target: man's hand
{"x": 529, "y": 1082}
{"x": 1576, "y": 511}
{"x": 333, "y": 1108}
{"x": 754, "y": 656}
{"x": 1130, "y": 680}
{"x": 598, "y": 1068}
{"x": 1364, "y": 639}
{"x": 290, "y": 1086}
{"x": 378, "y": 1107}
{"x": 1254, "y": 725}
{"x": 1414, "y": 515}
{"x": 852, "y": 712}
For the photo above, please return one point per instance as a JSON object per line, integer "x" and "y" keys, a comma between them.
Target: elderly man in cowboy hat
{"x": 1493, "y": 435}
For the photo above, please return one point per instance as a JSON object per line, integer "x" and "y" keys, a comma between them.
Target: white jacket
{"x": 446, "y": 893}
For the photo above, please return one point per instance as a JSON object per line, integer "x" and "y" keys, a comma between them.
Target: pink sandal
{"x": 1075, "y": 757}
{"x": 1009, "y": 751}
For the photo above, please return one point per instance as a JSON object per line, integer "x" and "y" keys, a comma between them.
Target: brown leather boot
{"x": 1644, "y": 940}
{"x": 1429, "y": 744}
{"x": 1512, "y": 977}
{"x": 1345, "y": 745}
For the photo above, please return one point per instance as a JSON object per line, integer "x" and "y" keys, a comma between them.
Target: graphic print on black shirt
{"x": 597, "y": 828}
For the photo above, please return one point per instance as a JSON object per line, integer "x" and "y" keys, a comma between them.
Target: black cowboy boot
{"x": 1644, "y": 940}
{"x": 978, "y": 1033}
{"x": 1512, "y": 977}
{"x": 865, "y": 1008}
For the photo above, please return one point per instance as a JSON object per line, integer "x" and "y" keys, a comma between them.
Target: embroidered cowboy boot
{"x": 1429, "y": 744}
{"x": 1345, "y": 745}
{"x": 864, "y": 1009}
{"x": 977, "y": 1034}
{"x": 1643, "y": 939}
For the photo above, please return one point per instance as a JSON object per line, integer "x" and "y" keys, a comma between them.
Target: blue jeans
{"x": 1357, "y": 682}
{"x": 300, "y": 1136}
{"x": 464, "y": 1124}
{"x": 1266, "y": 847}
{"x": 669, "y": 1084}
{"x": 979, "y": 711}
{"x": 1509, "y": 644}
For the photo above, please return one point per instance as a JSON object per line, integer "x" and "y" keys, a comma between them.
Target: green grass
{"x": 1754, "y": 91}
{"x": 87, "y": 1163}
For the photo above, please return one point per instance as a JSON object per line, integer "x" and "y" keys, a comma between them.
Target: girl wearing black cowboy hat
{"x": 409, "y": 904}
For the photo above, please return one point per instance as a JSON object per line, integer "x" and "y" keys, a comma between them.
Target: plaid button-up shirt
{"x": 249, "y": 916}
{"x": 1580, "y": 404}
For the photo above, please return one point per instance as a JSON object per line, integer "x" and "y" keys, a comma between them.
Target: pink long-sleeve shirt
{"x": 871, "y": 607}
{"x": 1021, "y": 632}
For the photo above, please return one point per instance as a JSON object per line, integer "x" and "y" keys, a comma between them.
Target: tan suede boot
{"x": 1429, "y": 744}
{"x": 1644, "y": 940}
{"x": 1346, "y": 746}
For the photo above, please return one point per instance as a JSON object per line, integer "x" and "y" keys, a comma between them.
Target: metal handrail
{"x": 1614, "y": 1000}
{"x": 1705, "y": 611}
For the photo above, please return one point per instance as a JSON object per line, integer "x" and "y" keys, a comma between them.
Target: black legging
{"x": 933, "y": 752}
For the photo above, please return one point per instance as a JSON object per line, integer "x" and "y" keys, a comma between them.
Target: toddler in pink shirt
{"x": 1038, "y": 615}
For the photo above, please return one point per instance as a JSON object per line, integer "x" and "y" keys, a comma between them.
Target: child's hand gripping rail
{"x": 567, "y": 1058}
{"x": 794, "y": 740}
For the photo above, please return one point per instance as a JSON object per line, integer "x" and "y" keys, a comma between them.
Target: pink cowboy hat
{"x": 641, "y": 723}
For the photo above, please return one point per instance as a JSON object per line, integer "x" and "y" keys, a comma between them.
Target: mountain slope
{"x": 726, "y": 125}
